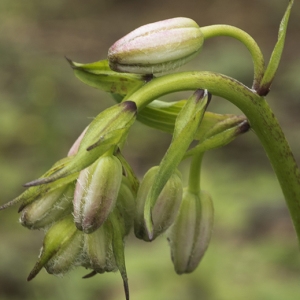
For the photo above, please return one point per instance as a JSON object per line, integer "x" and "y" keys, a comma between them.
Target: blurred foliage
{"x": 43, "y": 108}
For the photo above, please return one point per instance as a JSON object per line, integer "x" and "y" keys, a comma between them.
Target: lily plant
{"x": 89, "y": 201}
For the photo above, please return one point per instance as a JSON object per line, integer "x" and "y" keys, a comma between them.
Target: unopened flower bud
{"x": 98, "y": 250}
{"x": 190, "y": 234}
{"x": 61, "y": 249}
{"x": 96, "y": 193}
{"x": 104, "y": 248}
{"x": 48, "y": 209}
{"x": 156, "y": 47}
{"x": 165, "y": 208}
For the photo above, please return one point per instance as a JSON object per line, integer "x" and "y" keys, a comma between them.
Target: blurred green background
{"x": 43, "y": 108}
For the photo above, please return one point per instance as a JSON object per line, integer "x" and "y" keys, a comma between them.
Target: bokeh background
{"x": 43, "y": 108}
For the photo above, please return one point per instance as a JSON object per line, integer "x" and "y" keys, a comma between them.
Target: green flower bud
{"x": 156, "y": 47}
{"x": 96, "y": 193}
{"x": 187, "y": 122}
{"x": 104, "y": 248}
{"x": 98, "y": 250}
{"x": 61, "y": 249}
{"x": 48, "y": 209}
{"x": 108, "y": 130}
{"x": 165, "y": 208}
{"x": 190, "y": 234}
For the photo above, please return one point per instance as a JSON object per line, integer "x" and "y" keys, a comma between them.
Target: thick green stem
{"x": 247, "y": 40}
{"x": 195, "y": 173}
{"x": 256, "y": 109}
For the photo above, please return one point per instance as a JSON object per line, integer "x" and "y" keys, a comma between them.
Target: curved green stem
{"x": 195, "y": 172}
{"x": 256, "y": 109}
{"x": 247, "y": 40}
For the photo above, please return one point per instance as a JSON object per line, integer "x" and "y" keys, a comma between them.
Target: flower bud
{"x": 190, "y": 234}
{"x": 108, "y": 130}
{"x": 104, "y": 248}
{"x": 49, "y": 208}
{"x": 61, "y": 249}
{"x": 98, "y": 250}
{"x": 96, "y": 193}
{"x": 165, "y": 208}
{"x": 156, "y": 47}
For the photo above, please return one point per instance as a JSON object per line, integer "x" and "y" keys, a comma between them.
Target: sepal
{"x": 61, "y": 249}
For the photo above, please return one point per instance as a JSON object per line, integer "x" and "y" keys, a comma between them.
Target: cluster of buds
{"x": 88, "y": 202}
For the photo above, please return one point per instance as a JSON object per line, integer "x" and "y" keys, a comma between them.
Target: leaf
{"x": 276, "y": 54}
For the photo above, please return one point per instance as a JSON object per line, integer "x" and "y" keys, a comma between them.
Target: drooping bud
{"x": 96, "y": 193}
{"x": 61, "y": 249}
{"x": 48, "y": 209}
{"x": 98, "y": 252}
{"x": 165, "y": 209}
{"x": 187, "y": 122}
{"x": 104, "y": 248}
{"x": 156, "y": 47}
{"x": 190, "y": 234}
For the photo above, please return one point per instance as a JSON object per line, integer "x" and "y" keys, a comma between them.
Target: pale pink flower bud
{"x": 156, "y": 47}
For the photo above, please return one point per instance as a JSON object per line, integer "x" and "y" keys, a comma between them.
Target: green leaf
{"x": 276, "y": 54}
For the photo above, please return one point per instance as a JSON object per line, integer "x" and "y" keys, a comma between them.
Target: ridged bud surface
{"x": 96, "y": 193}
{"x": 98, "y": 250}
{"x": 190, "y": 234}
{"x": 156, "y": 47}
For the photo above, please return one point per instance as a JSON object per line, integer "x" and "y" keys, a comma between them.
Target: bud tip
{"x": 243, "y": 127}
{"x": 130, "y": 106}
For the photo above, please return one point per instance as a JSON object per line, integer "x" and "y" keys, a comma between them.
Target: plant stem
{"x": 195, "y": 173}
{"x": 256, "y": 109}
{"x": 247, "y": 40}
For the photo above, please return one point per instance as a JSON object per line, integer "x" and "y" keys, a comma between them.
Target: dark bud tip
{"x": 243, "y": 127}
{"x": 148, "y": 77}
{"x": 264, "y": 90}
{"x": 130, "y": 106}
{"x": 93, "y": 273}
{"x": 199, "y": 94}
{"x": 71, "y": 63}
{"x": 36, "y": 182}
{"x": 31, "y": 275}
{"x": 126, "y": 288}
